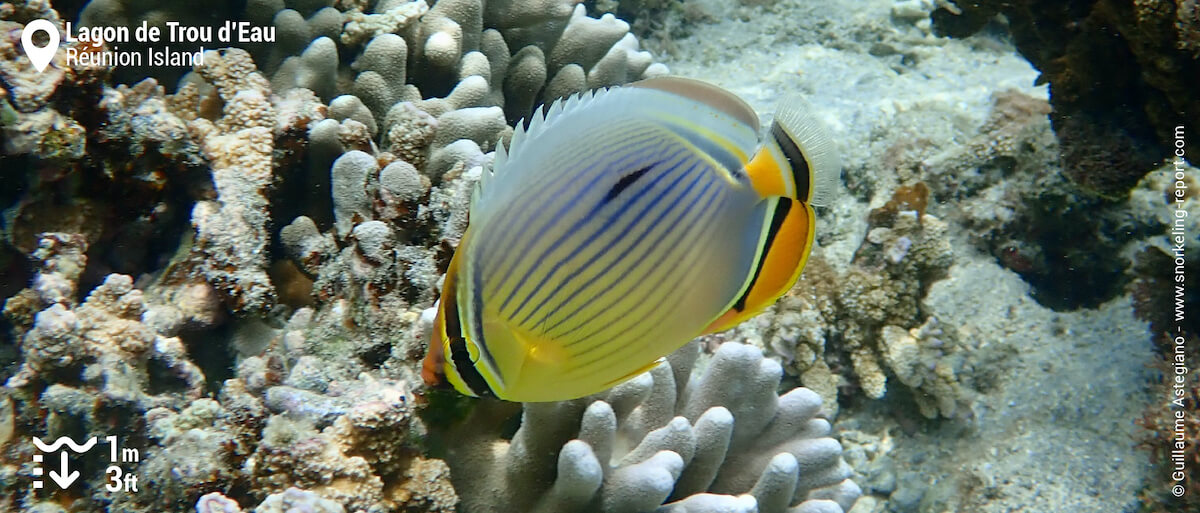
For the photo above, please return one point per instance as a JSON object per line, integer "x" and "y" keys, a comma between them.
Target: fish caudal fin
{"x": 797, "y": 159}
{"x": 795, "y": 168}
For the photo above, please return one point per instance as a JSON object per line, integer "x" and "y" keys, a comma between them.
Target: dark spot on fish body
{"x": 624, "y": 183}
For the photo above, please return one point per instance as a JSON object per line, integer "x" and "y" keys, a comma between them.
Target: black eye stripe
{"x": 466, "y": 369}
{"x": 458, "y": 350}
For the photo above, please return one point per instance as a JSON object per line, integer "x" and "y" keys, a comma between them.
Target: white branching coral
{"x": 665, "y": 441}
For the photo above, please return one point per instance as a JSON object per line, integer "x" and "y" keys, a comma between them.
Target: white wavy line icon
{"x": 64, "y": 440}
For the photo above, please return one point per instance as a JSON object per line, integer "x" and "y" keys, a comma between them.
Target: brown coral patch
{"x": 906, "y": 198}
{"x": 1122, "y": 75}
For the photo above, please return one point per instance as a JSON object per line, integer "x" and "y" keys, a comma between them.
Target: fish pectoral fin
{"x": 540, "y": 349}
{"x": 631, "y": 375}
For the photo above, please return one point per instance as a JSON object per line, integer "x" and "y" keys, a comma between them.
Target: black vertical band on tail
{"x": 458, "y": 350}
{"x": 781, "y": 211}
{"x": 796, "y": 160}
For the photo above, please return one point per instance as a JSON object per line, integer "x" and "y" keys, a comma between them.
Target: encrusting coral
{"x": 101, "y": 344}
{"x": 719, "y": 441}
{"x": 869, "y": 316}
{"x": 1112, "y": 127}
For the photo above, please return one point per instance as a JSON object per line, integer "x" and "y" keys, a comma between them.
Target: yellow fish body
{"x": 617, "y": 227}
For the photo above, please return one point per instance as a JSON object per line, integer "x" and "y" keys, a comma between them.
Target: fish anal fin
{"x": 783, "y": 261}
{"x": 727, "y": 320}
{"x": 633, "y": 374}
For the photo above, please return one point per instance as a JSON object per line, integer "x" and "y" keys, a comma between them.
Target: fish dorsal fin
{"x": 798, "y": 158}
{"x": 545, "y": 117}
{"x": 705, "y": 93}
{"x": 488, "y": 171}
{"x": 539, "y": 122}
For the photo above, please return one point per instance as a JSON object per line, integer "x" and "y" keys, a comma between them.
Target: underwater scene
{"x": 619, "y": 256}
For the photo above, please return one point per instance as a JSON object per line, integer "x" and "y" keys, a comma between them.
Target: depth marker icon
{"x": 65, "y": 476}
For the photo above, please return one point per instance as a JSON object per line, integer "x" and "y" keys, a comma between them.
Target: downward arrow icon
{"x": 65, "y": 478}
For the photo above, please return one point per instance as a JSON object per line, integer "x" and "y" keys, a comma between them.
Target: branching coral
{"x": 903, "y": 254}
{"x": 927, "y": 359}
{"x": 66, "y": 121}
{"x": 364, "y": 458}
{"x": 465, "y": 54}
{"x": 456, "y": 54}
{"x": 98, "y": 358}
{"x": 230, "y": 233}
{"x": 432, "y": 95}
{"x": 433, "y": 87}
{"x": 797, "y": 327}
{"x": 722, "y": 441}
{"x": 361, "y": 461}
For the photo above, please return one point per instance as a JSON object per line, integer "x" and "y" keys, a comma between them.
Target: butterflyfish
{"x": 619, "y": 225}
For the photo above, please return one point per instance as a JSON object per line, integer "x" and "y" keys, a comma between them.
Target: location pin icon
{"x": 40, "y": 56}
